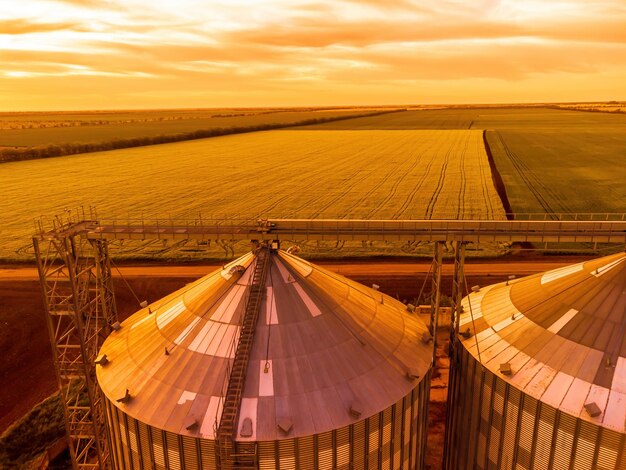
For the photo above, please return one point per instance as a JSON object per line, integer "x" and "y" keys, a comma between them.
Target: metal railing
{"x": 588, "y": 228}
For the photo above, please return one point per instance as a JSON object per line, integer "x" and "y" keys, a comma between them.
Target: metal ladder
{"x": 232, "y": 454}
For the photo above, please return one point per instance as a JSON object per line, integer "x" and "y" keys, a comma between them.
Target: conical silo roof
{"x": 562, "y": 334}
{"x": 326, "y": 350}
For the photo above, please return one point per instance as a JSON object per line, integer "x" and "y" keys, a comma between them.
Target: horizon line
{"x": 304, "y": 106}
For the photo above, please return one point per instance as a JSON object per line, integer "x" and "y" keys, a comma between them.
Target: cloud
{"x": 92, "y": 3}
{"x": 24, "y": 26}
{"x": 323, "y": 34}
{"x": 277, "y": 49}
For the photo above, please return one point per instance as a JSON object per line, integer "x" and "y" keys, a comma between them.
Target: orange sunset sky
{"x": 102, "y": 54}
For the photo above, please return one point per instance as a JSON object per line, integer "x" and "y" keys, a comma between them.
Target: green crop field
{"x": 556, "y": 161}
{"x": 550, "y": 160}
{"x": 562, "y": 172}
{"x": 360, "y": 174}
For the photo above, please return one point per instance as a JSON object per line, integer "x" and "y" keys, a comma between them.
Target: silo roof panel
{"x": 326, "y": 341}
{"x": 563, "y": 333}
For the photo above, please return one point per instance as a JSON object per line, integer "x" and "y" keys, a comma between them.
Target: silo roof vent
{"x": 246, "y": 428}
{"x": 191, "y": 423}
{"x": 593, "y": 409}
{"x": 412, "y": 374}
{"x": 426, "y": 337}
{"x": 126, "y": 398}
{"x": 356, "y": 409}
{"x": 102, "y": 359}
{"x": 284, "y": 424}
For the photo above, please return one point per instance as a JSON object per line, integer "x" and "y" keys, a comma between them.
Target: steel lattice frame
{"x": 436, "y": 296}
{"x": 75, "y": 277}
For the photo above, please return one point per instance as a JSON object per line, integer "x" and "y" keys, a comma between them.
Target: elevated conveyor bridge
{"x": 476, "y": 231}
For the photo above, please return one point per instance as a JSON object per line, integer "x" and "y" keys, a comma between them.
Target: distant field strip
{"x": 323, "y": 174}
{"x": 53, "y": 138}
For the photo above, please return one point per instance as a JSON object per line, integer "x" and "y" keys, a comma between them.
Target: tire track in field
{"x": 527, "y": 176}
{"x": 484, "y": 183}
{"x": 372, "y": 190}
{"x": 357, "y": 158}
{"x": 409, "y": 200}
{"x": 245, "y": 174}
{"x": 430, "y": 208}
{"x": 463, "y": 183}
{"x": 394, "y": 187}
{"x": 313, "y": 176}
{"x": 364, "y": 176}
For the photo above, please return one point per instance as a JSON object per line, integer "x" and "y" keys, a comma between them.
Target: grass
{"x": 311, "y": 174}
{"x": 29, "y": 436}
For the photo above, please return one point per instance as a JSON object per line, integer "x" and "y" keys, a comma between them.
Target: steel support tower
{"x": 75, "y": 277}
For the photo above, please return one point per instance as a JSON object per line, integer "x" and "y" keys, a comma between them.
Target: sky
{"x": 114, "y": 54}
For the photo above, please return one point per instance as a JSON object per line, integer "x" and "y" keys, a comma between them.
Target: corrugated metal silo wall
{"x": 394, "y": 438}
{"x": 493, "y": 425}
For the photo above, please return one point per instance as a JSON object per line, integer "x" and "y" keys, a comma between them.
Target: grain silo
{"x": 337, "y": 377}
{"x": 541, "y": 375}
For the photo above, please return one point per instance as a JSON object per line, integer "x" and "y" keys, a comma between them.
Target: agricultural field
{"x": 311, "y": 174}
{"x": 27, "y": 129}
{"x": 550, "y": 160}
{"x": 411, "y": 164}
{"x": 53, "y": 134}
{"x": 562, "y": 172}
{"x": 503, "y": 118}
{"x": 411, "y": 119}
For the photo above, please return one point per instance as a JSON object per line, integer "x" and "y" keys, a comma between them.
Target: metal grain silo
{"x": 337, "y": 376}
{"x": 540, "y": 376}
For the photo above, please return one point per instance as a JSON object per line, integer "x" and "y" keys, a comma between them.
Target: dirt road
{"x": 358, "y": 268}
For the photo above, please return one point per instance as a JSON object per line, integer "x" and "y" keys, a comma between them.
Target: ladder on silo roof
{"x": 232, "y": 454}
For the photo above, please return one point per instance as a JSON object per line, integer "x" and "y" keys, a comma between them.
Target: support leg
{"x": 78, "y": 309}
{"x": 451, "y": 434}
{"x": 436, "y": 296}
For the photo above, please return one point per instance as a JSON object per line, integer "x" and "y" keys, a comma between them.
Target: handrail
{"x": 610, "y": 230}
